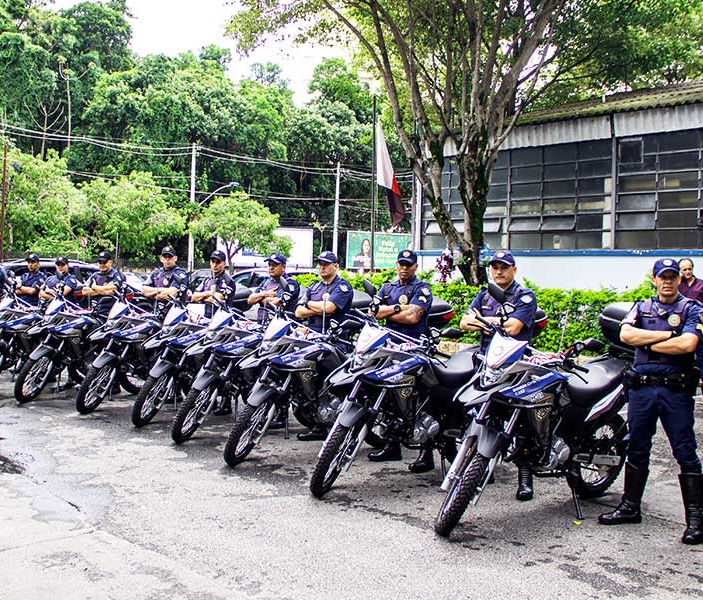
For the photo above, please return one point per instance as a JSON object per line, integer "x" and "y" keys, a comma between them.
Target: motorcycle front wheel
{"x": 192, "y": 413}
{"x": 32, "y": 379}
{"x": 606, "y": 438}
{"x": 336, "y": 455}
{"x": 151, "y": 398}
{"x": 94, "y": 388}
{"x": 457, "y": 499}
{"x": 249, "y": 424}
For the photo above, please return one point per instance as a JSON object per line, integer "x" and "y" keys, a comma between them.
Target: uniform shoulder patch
{"x": 344, "y": 288}
{"x": 526, "y": 298}
{"x": 425, "y": 291}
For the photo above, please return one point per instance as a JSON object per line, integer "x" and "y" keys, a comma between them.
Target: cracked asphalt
{"x": 91, "y": 508}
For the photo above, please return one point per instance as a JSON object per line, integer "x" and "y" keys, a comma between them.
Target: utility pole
{"x": 3, "y": 204}
{"x": 373, "y": 189}
{"x": 191, "y": 243}
{"x": 335, "y": 230}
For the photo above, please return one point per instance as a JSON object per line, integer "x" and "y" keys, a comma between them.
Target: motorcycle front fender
{"x": 260, "y": 393}
{"x": 105, "y": 358}
{"x": 488, "y": 440}
{"x": 41, "y": 351}
{"x": 160, "y": 367}
{"x": 203, "y": 379}
{"x": 351, "y": 413}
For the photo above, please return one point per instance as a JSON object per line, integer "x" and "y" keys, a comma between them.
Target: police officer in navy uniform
{"x": 665, "y": 331}
{"x": 219, "y": 286}
{"x": 268, "y": 293}
{"x": 62, "y": 282}
{"x": 518, "y": 326}
{"x": 405, "y": 305}
{"x": 103, "y": 286}
{"x": 330, "y": 298}
{"x": 167, "y": 283}
{"x": 31, "y": 282}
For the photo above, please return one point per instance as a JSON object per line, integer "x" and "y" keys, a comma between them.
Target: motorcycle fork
{"x": 365, "y": 429}
{"x": 498, "y": 458}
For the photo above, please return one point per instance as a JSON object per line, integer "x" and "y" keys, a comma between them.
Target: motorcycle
{"x": 401, "y": 388}
{"x": 65, "y": 346}
{"x": 540, "y": 410}
{"x": 122, "y": 359}
{"x": 230, "y": 335}
{"x": 295, "y": 378}
{"x": 171, "y": 374}
{"x": 17, "y": 317}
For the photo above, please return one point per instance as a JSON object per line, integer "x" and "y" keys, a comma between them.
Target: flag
{"x": 385, "y": 177}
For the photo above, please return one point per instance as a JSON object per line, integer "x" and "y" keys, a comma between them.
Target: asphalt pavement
{"x": 92, "y": 508}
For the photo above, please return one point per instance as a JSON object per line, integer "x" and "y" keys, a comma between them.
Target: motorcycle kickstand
{"x": 577, "y": 503}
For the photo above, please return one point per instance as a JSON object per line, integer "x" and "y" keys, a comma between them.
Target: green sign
{"x": 387, "y": 246}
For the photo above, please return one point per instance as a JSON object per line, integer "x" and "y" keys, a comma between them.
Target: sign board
{"x": 300, "y": 253}
{"x": 387, "y": 246}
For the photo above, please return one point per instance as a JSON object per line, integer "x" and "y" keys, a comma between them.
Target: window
{"x": 631, "y": 151}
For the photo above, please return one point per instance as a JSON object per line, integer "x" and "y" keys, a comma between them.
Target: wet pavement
{"x": 91, "y": 507}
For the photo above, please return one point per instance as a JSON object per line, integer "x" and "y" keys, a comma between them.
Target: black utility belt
{"x": 678, "y": 382}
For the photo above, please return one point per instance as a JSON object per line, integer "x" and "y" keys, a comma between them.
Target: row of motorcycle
{"x": 358, "y": 381}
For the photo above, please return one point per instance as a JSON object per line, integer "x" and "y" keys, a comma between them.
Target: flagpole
{"x": 373, "y": 188}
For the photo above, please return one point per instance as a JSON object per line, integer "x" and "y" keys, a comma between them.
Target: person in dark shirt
{"x": 268, "y": 293}
{"x": 103, "y": 286}
{"x": 665, "y": 331}
{"x": 63, "y": 282}
{"x": 31, "y": 282}
{"x": 166, "y": 283}
{"x": 218, "y": 287}
{"x": 690, "y": 285}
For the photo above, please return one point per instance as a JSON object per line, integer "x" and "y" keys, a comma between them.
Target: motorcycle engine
{"x": 425, "y": 428}
{"x": 328, "y": 408}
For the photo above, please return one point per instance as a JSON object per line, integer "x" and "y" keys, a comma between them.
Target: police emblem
{"x": 343, "y": 288}
{"x": 406, "y": 253}
{"x": 403, "y": 299}
{"x": 425, "y": 291}
{"x": 674, "y": 320}
{"x": 526, "y": 298}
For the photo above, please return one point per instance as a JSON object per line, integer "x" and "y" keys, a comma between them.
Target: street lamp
{"x": 229, "y": 185}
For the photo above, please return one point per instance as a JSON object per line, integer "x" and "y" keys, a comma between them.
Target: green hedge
{"x": 577, "y": 310}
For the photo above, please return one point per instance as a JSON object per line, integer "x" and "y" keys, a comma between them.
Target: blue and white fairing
{"x": 186, "y": 340}
{"x": 300, "y": 357}
{"x": 239, "y": 345}
{"x": 397, "y": 372}
{"x": 532, "y": 390}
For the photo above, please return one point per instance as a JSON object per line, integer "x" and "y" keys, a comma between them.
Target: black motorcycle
{"x": 541, "y": 411}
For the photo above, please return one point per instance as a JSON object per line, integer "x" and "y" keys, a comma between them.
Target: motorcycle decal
{"x": 396, "y": 372}
{"x": 605, "y": 403}
{"x": 533, "y": 390}
{"x": 370, "y": 338}
{"x": 503, "y": 350}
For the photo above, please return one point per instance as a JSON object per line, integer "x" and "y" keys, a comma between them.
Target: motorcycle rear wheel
{"x": 457, "y": 499}
{"x": 32, "y": 378}
{"x": 151, "y": 398}
{"x": 606, "y": 437}
{"x": 250, "y": 423}
{"x": 335, "y": 456}
{"x": 94, "y": 388}
{"x": 192, "y": 413}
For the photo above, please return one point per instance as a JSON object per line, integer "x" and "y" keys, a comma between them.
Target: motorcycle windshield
{"x": 503, "y": 350}
{"x": 174, "y": 315}
{"x": 219, "y": 319}
{"x": 117, "y": 309}
{"x": 370, "y": 338}
{"x": 54, "y": 306}
{"x": 276, "y": 328}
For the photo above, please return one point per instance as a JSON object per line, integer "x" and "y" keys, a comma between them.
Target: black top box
{"x": 609, "y": 321}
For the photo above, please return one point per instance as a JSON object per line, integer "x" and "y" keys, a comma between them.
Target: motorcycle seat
{"x": 604, "y": 374}
{"x": 458, "y": 369}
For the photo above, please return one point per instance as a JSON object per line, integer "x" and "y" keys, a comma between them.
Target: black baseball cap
{"x": 168, "y": 251}
{"x": 61, "y": 260}
{"x": 104, "y": 256}
{"x": 276, "y": 258}
{"x": 32, "y": 257}
{"x": 407, "y": 257}
{"x": 327, "y": 257}
{"x": 218, "y": 255}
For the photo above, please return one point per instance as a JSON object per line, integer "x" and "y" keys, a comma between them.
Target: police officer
{"x": 219, "y": 286}
{"x": 331, "y": 297}
{"x": 167, "y": 283}
{"x": 665, "y": 331}
{"x": 405, "y": 305}
{"x": 518, "y": 326}
{"x": 31, "y": 282}
{"x": 269, "y": 291}
{"x": 62, "y": 282}
{"x": 3, "y": 282}
{"x": 104, "y": 285}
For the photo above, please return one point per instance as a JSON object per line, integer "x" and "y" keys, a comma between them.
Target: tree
{"x": 241, "y": 223}
{"x": 461, "y": 73}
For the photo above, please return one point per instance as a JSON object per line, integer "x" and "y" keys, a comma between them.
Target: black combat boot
{"x": 424, "y": 462}
{"x": 224, "y": 409}
{"x": 391, "y": 451}
{"x": 525, "y": 484}
{"x": 316, "y": 434}
{"x": 692, "y": 494}
{"x": 628, "y": 511}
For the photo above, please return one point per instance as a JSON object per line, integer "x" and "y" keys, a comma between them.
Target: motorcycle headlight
{"x": 491, "y": 376}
